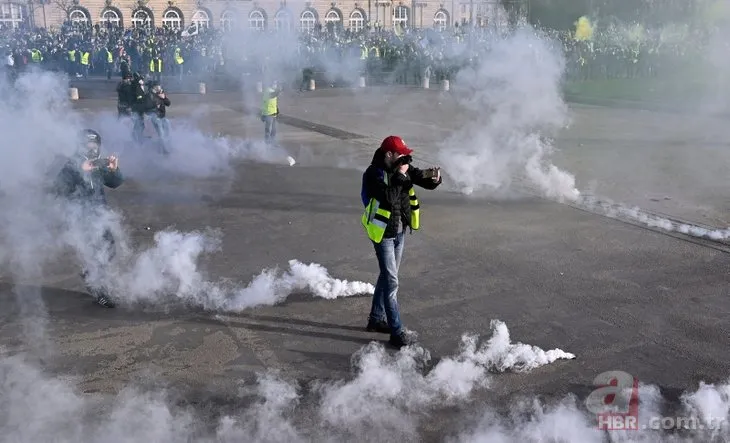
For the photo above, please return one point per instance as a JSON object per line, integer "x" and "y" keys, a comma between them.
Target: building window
{"x": 141, "y": 19}
{"x": 307, "y": 21}
{"x": 256, "y": 20}
{"x": 400, "y": 16}
{"x": 111, "y": 16}
{"x": 11, "y": 15}
{"x": 172, "y": 19}
{"x": 332, "y": 17}
{"x": 357, "y": 21}
{"x": 78, "y": 17}
{"x": 228, "y": 20}
{"x": 201, "y": 18}
{"x": 282, "y": 20}
{"x": 440, "y": 20}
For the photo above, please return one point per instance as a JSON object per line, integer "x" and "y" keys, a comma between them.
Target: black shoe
{"x": 105, "y": 301}
{"x": 378, "y": 326}
{"x": 400, "y": 340}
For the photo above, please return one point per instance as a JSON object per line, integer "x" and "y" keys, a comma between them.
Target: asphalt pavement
{"x": 618, "y": 296}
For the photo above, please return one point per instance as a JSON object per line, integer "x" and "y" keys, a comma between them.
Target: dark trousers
{"x": 105, "y": 251}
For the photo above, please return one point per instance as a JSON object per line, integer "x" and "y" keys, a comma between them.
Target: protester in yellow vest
{"x": 109, "y": 63}
{"x": 156, "y": 68}
{"x": 36, "y": 55}
{"x": 179, "y": 60}
{"x": 72, "y": 65}
{"x": 270, "y": 111}
{"x": 391, "y": 207}
{"x": 85, "y": 63}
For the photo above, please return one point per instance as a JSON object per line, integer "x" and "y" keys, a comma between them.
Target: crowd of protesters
{"x": 400, "y": 56}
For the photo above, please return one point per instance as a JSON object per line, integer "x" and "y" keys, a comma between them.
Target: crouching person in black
{"x": 82, "y": 181}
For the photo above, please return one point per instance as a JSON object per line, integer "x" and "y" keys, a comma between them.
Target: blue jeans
{"x": 269, "y": 128}
{"x": 162, "y": 126}
{"x": 138, "y": 130}
{"x": 385, "y": 300}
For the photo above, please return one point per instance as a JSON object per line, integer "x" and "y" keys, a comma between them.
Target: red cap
{"x": 393, "y": 143}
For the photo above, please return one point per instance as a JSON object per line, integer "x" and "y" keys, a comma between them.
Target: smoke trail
{"x": 515, "y": 102}
{"x": 168, "y": 272}
{"x": 638, "y": 215}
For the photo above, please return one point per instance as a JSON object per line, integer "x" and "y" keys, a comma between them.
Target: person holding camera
{"x": 81, "y": 181}
{"x": 391, "y": 207}
{"x": 160, "y": 102}
{"x": 141, "y": 104}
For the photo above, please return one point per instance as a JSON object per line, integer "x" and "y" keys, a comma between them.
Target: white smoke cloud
{"x": 192, "y": 153}
{"x": 391, "y": 396}
{"x": 169, "y": 270}
{"x": 514, "y": 99}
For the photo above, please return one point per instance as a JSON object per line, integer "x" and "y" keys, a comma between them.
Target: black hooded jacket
{"x": 159, "y": 104}
{"x": 76, "y": 184}
{"x": 393, "y": 197}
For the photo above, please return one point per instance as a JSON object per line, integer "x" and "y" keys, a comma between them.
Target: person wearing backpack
{"x": 391, "y": 207}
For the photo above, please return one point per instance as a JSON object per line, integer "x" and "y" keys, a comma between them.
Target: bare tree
{"x": 65, "y": 5}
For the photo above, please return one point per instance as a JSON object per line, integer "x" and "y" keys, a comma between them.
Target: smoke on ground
{"x": 40, "y": 134}
{"x": 637, "y": 215}
{"x": 514, "y": 98}
{"x": 169, "y": 272}
{"x": 391, "y": 397}
{"x": 192, "y": 153}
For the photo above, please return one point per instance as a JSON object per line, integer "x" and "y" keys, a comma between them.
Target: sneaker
{"x": 378, "y": 326}
{"x": 400, "y": 340}
{"x": 105, "y": 301}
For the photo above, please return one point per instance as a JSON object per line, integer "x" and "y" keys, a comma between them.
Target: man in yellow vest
{"x": 107, "y": 54}
{"x": 36, "y": 55}
{"x": 85, "y": 60}
{"x": 391, "y": 207}
{"x": 156, "y": 68}
{"x": 179, "y": 61}
{"x": 270, "y": 111}
{"x": 72, "y": 65}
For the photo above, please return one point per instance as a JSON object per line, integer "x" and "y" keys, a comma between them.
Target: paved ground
{"x": 618, "y": 296}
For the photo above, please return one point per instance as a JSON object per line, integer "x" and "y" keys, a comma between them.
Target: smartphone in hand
{"x": 430, "y": 173}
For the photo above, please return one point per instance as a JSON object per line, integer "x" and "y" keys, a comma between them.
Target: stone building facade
{"x": 263, "y": 14}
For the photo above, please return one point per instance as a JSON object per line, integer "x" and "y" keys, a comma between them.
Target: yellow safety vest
{"x": 375, "y": 218}
{"x": 72, "y": 55}
{"x": 178, "y": 58}
{"x": 376, "y": 50}
{"x": 109, "y": 57}
{"x": 85, "y": 58}
{"x": 159, "y": 65}
{"x": 269, "y": 104}
{"x": 36, "y": 56}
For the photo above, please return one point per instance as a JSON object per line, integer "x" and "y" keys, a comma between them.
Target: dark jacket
{"x": 393, "y": 197}
{"x": 125, "y": 94}
{"x": 160, "y": 104}
{"x": 78, "y": 185}
{"x": 142, "y": 102}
